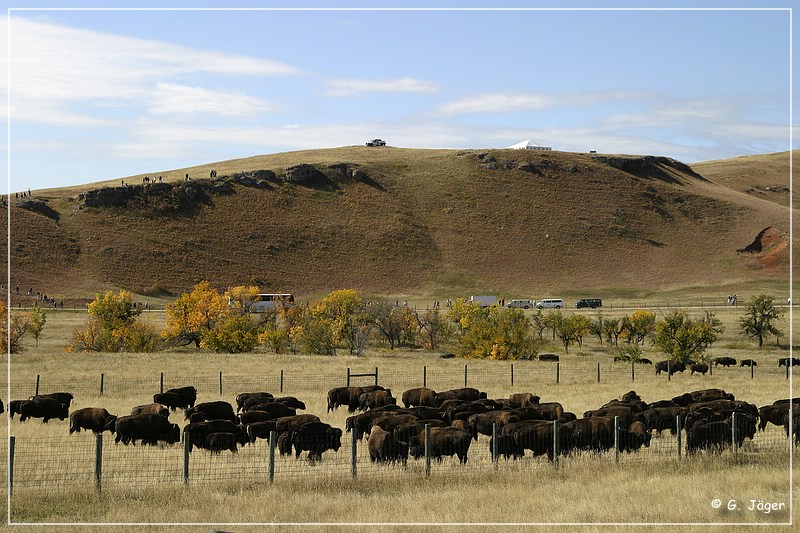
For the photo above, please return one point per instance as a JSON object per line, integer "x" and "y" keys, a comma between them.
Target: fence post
{"x": 512, "y": 374}
{"x": 669, "y": 371}
{"x": 12, "y": 440}
{"x": 752, "y": 371}
{"x": 427, "y": 450}
{"x": 598, "y": 371}
{"x": 425, "y": 376}
{"x": 633, "y": 372}
{"x": 616, "y": 439}
{"x": 354, "y": 441}
{"x": 37, "y": 383}
{"x": 494, "y": 444}
{"x": 788, "y": 362}
{"x": 555, "y": 443}
{"x": 678, "y": 426}
{"x": 281, "y": 380}
{"x": 187, "y": 446}
{"x": 376, "y": 375}
{"x": 162, "y": 383}
{"x": 98, "y": 460}
{"x": 558, "y": 371}
{"x": 465, "y": 375}
{"x": 348, "y": 376}
{"x": 733, "y": 431}
{"x": 710, "y": 369}
{"x": 220, "y": 382}
{"x": 102, "y": 382}
{"x": 272, "y": 439}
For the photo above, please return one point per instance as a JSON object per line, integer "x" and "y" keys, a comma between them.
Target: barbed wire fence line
{"x": 84, "y": 461}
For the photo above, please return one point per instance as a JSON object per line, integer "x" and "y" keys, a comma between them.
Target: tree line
{"x": 345, "y": 321}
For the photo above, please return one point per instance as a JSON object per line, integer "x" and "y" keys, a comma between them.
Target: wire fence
{"x": 520, "y": 374}
{"x": 95, "y": 461}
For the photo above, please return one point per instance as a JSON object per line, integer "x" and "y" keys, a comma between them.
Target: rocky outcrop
{"x": 41, "y": 207}
{"x": 648, "y": 166}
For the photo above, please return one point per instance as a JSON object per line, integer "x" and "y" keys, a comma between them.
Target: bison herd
{"x": 426, "y": 422}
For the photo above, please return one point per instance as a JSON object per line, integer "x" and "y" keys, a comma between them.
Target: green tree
{"x": 639, "y": 325}
{"x": 38, "y": 318}
{"x": 612, "y": 329}
{"x": 12, "y": 331}
{"x": 685, "y": 339}
{"x": 581, "y": 326}
{"x": 539, "y": 323}
{"x": 759, "y": 319}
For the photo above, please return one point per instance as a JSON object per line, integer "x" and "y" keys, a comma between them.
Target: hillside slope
{"x": 400, "y": 221}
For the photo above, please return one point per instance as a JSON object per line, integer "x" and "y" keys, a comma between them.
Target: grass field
{"x": 651, "y": 486}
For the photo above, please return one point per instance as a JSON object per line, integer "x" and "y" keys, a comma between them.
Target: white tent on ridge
{"x": 527, "y": 144}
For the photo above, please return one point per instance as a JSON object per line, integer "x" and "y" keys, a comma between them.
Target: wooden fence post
{"x": 427, "y": 450}
{"x": 102, "y": 381}
{"x": 555, "y": 443}
{"x": 598, "y": 371}
{"x": 616, "y": 439}
{"x": 494, "y": 444}
{"x": 281, "y": 380}
{"x": 162, "y": 383}
{"x": 348, "y": 376}
{"x": 678, "y": 426}
{"x": 558, "y": 371}
{"x": 187, "y": 446}
{"x": 37, "y": 384}
{"x": 669, "y": 371}
{"x": 12, "y": 440}
{"x": 98, "y": 460}
{"x": 465, "y": 375}
{"x": 353, "y": 450}
{"x": 512, "y": 374}
{"x": 272, "y": 438}
{"x": 633, "y": 372}
{"x": 220, "y": 382}
{"x": 425, "y": 376}
{"x": 752, "y": 371}
{"x": 376, "y": 375}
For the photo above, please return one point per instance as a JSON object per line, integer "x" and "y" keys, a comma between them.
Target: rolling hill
{"x": 402, "y": 222}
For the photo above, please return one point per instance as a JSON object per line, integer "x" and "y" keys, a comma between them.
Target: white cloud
{"x": 170, "y": 98}
{"x": 355, "y": 87}
{"x": 506, "y": 102}
{"x": 54, "y": 68}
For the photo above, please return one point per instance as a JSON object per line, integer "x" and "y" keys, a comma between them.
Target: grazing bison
{"x": 219, "y": 410}
{"x": 263, "y": 397}
{"x": 548, "y": 357}
{"x": 669, "y": 366}
{"x": 172, "y": 400}
{"x": 538, "y": 437}
{"x": 250, "y": 417}
{"x": 644, "y": 361}
{"x": 385, "y": 448}
{"x": 482, "y": 423}
{"x": 217, "y": 442}
{"x": 13, "y": 407}
{"x": 188, "y": 394}
{"x": 444, "y": 441}
{"x": 148, "y": 428}
{"x": 150, "y": 408}
{"x": 61, "y": 397}
{"x": 2, "y": 409}
{"x": 199, "y": 432}
{"x": 95, "y": 419}
{"x": 713, "y": 436}
{"x": 661, "y": 418}
{"x": 467, "y": 394}
{"x": 276, "y": 409}
{"x": 374, "y": 399}
{"x": 292, "y": 402}
{"x": 288, "y": 423}
{"x": 724, "y": 361}
{"x": 260, "y": 430}
{"x": 523, "y": 399}
{"x": 44, "y": 408}
{"x": 700, "y": 368}
{"x": 506, "y": 446}
{"x": 748, "y": 362}
{"x": 348, "y": 396}
{"x": 421, "y": 396}
{"x": 315, "y": 438}
{"x": 788, "y": 361}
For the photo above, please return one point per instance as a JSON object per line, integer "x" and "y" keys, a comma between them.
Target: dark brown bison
{"x": 96, "y": 419}
{"x": 713, "y": 436}
{"x": 172, "y": 400}
{"x": 199, "y": 432}
{"x": 288, "y": 423}
{"x": 551, "y": 357}
{"x": 421, "y": 396}
{"x": 700, "y": 368}
{"x": 148, "y": 428}
{"x": 250, "y": 417}
{"x": 444, "y": 441}
{"x": 669, "y": 366}
{"x": 405, "y": 432}
{"x": 467, "y": 394}
{"x": 292, "y": 402}
{"x": 724, "y": 361}
{"x": 482, "y": 423}
{"x": 626, "y": 414}
{"x": 217, "y": 442}
{"x": 538, "y": 437}
{"x": 506, "y": 446}
{"x": 748, "y": 362}
{"x": 315, "y": 438}
{"x": 44, "y": 408}
{"x": 348, "y": 396}
{"x": 219, "y": 410}
{"x": 374, "y": 399}
{"x": 385, "y": 448}
{"x": 241, "y": 398}
{"x": 150, "y": 408}
{"x": 61, "y": 397}
{"x": 260, "y": 430}
{"x": 13, "y": 407}
{"x": 661, "y": 418}
{"x": 788, "y": 361}
{"x": 276, "y": 409}
{"x": 644, "y": 361}
{"x": 188, "y": 394}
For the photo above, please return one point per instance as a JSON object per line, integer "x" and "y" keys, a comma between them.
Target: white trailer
{"x": 484, "y": 301}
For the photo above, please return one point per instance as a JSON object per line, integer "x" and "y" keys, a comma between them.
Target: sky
{"x": 98, "y": 94}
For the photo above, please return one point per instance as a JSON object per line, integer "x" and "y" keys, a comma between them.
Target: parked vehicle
{"x": 484, "y": 301}
{"x": 550, "y": 303}
{"x": 376, "y": 142}
{"x": 591, "y": 303}
{"x": 525, "y": 304}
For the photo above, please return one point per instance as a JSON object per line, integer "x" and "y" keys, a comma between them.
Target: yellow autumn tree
{"x": 113, "y": 327}
{"x": 193, "y": 314}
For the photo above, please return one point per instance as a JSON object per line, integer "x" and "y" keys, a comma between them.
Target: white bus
{"x": 263, "y": 302}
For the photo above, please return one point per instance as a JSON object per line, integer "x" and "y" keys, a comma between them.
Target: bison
{"x": 219, "y": 410}
{"x": 748, "y": 362}
{"x": 551, "y": 357}
{"x": 421, "y": 396}
{"x": 288, "y": 423}
{"x": 524, "y": 399}
{"x": 315, "y": 438}
{"x": 260, "y": 430}
{"x": 44, "y": 408}
{"x": 669, "y": 366}
{"x": 199, "y": 432}
{"x": 96, "y": 419}
{"x": 482, "y": 423}
{"x": 700, "y": 368}
{"x": 217, "y": 442}
{"x": 291, "y": 402}
{"x": 444, "y": 441}
{"x": 188, "y": 394}
{"x": 61, "y": 397}
{"x": 724, "y": 361}
{"x": 788, "y": 361}
{"x": 172, "y": 400}
{"x": 241, "y": 398}
{"x": 13, "y": 407}
{"x": 712, "y": 436}
{"x": 148, "y": 428}
{"x": 348, "y": 396}
{"x": 374, "y": 399}
{"x": 150, "y": 408}
{"x": 385, "y": 448}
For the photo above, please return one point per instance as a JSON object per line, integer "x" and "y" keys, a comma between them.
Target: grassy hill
{"x": 399, "y": 221}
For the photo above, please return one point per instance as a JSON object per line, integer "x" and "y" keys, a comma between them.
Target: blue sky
{"x": 101, "y": 94}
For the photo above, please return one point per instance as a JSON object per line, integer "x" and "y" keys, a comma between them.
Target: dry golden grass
{"x": 584, "y": 489}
